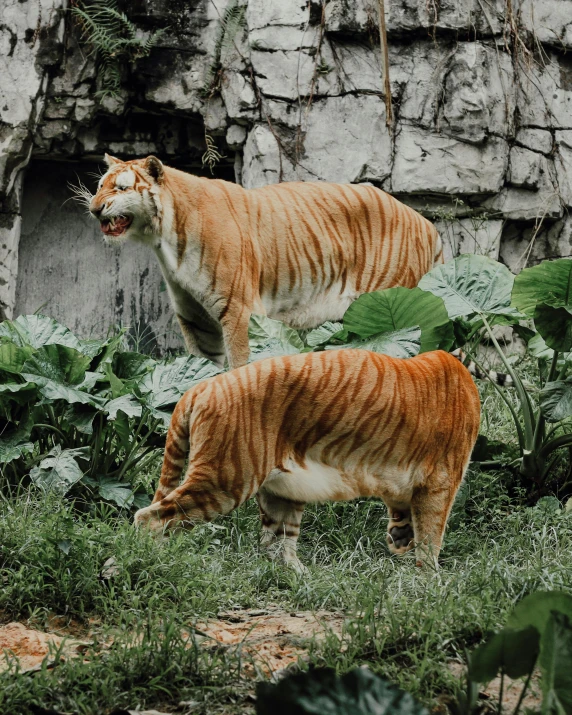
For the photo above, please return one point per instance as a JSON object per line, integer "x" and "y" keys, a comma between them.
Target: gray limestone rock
{"x": 428, "y": 162}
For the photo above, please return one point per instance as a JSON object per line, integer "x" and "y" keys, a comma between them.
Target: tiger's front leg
{"x": 280, "y": 519}
{"x": 234, "y": 320}
{"x": 203, "y": 339}
{"x": 197, "y": 499}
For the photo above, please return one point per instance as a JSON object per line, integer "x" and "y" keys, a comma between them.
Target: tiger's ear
{"x": 154, "y": 168}
{"x": 110, "y": 160}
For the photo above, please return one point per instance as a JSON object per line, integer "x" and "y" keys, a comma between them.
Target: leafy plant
{"x": 538, "y": 634}
{"x": 480, "y": 293}
{"x": 232, "y": 20}
{"x": 114, "y": 40}
{"x": 83, "y": 414}
{"x": 321, "y": 692}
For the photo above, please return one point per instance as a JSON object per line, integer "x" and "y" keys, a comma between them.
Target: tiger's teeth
{"x": 112, "y": 222}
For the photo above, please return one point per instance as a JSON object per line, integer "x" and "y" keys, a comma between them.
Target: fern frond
{"x": 113, "y": 38}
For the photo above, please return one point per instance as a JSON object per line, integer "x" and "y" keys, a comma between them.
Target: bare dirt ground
{"x": 269, "y": 641}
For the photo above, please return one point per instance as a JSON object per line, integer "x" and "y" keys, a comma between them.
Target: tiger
{"x": 322, "y": 426}
{"x": 299, "y": 252}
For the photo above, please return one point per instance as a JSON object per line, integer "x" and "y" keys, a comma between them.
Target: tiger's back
{"x": 331, "y": 425}
{"x": 322, "y": 245}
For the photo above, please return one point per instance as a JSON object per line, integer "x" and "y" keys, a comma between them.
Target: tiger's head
{"x": 127, "y": 202}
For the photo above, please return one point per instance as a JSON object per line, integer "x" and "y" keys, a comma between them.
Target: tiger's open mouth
{"x": 116, "y": 225}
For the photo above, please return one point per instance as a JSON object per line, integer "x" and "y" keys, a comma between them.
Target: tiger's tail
{"x": 176, "y": 447}
{"x": 499, "y": 378}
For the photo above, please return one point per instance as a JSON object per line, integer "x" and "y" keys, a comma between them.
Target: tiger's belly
{"x": 318, "y": 482}
{"x": 304, "y": 309}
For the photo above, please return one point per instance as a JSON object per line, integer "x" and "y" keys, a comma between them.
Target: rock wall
{"x": 481, "y": 140}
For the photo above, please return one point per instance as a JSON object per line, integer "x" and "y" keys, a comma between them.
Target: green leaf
{"x": 471, "y": 284}
{"x": 548, "y": 505}
{"x": 59, "y": 471}
{"x": 549, "y": 282}
{"x": 81, "y": 417}
{"x": 59, "y": 371}
{"x": 117, "y": 492}
{"x": 117, "y": 386}
{"x": 397, "y": 308}
{"x": 323, "y": 334}
{"x": 320, "y": 692}
{"x": 37, "y": 331}
{"x": 141, "y": 500}
{"x": 132, "y": 366}
{"x": 270, "y": 338}
{"x": 534, "y": 609}
{"x": 403, "y": 343}
{"x": 57, "y": 363}
{"x": 555, "y": 326}
{"x": 13, "y": 357}
{"x": 169, "y": 381}
{"x": 556, "y": 400}
{"x": 539, "y": 349}
{"x": 556, "y": 665}
{"x": 15, "y": 444}
{"x": 126, "y": 403}
{"x": 112, "y": 346}
{"x": 91, "y": 347}
{"x": 512, "y": 652}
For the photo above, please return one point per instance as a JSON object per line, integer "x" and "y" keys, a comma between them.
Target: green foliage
{"x": 114, "y": 40}
{"x": 471, "y": 285}
{"x": 320, "y": 692}
{"x": 231, "y": 22}
{"x": 539, "y": 633}
{"x": 479, "y": 293}
{"x": 404, "y": 343}
{"x": 397, "y": 308}
{"x": 79, "y": 416}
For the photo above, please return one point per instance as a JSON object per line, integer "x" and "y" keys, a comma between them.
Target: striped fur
{"x": 325, "y": 426}
{"x": 297, "y": 252}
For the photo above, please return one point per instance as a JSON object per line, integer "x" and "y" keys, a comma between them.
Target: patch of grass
{"x": 406, "y": 623}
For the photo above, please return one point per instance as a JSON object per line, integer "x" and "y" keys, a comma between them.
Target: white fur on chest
{"x": 185, "y": 279}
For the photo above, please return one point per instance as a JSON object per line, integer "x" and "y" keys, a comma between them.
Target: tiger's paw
{"x": 146, "y": 518}
{"x": 400, "y": 536}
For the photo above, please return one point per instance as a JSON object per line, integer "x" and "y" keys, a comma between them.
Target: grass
{"x": 404, "y": 622}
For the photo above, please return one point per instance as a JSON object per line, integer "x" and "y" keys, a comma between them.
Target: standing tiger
{"x": 298, "y": 252}
{"x": 324, "y": 426}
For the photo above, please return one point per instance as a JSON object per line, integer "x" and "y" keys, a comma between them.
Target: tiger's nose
{"x": 96, "y": 209}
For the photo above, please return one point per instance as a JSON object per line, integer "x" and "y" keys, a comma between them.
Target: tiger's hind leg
{"x": 430, "y": 508}
{"x": 400, "y": 536}
{"x": 280, "y": 519}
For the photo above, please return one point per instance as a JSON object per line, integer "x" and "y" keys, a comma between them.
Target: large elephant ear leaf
{"x": 471, "y": 284}
{"x": 16, "y": 443}
{"x": 59, "y": 372}
{"x": 549, "y": 282}
{"x": 555, "y": 326}
{"x": 404, "y": 343}
{"x": 59, "y": 471}
{"x": 556, "y": 400}
{"x": 12, "y": 356}
{"x": 535, "y": 609}
{"x": 269, "y": 338}
{"x": 394, "y": 309}
{"x": 169, "y": 381}
{"x": 37, "y": 331}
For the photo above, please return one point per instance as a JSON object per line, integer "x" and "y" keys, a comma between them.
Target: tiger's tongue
{"x": 113, "y": 229}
